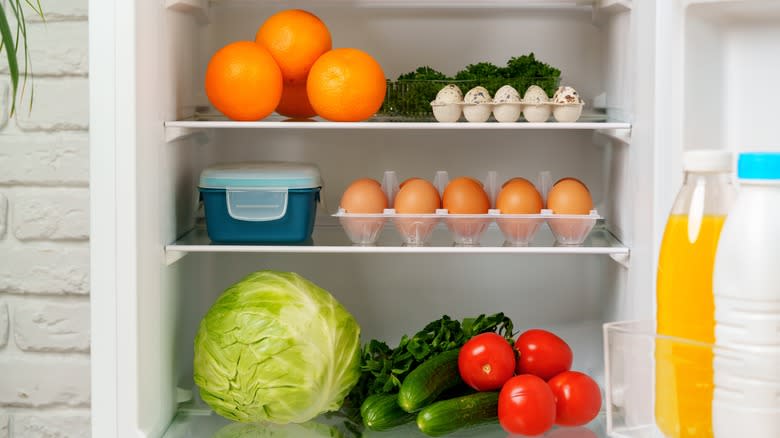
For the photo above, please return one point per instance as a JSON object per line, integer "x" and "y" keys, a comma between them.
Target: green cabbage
{"x": 276, "y": 348}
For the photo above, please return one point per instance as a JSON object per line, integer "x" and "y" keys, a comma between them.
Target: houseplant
{"x": 14, "y": 42}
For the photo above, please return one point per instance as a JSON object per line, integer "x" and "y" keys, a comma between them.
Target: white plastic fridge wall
{"x": 714, "y": 89}
{"x": 144, "y": 189}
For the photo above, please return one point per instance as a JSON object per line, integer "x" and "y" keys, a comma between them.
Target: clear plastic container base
{"x": 466, "y": 229}
{"x": 665, "y": 387}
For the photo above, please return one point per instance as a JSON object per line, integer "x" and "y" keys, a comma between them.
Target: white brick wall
{"x": 30, "y": 426}
{"x": 46, "y": 325}
{"x": 51, "y": 214}
{"x": 3, "y": 324}
{"x": 45, "y": 160}
{"x": 3, "y": 214}
{"x": 44, "y": 235}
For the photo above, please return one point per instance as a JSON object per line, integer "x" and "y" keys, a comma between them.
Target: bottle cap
{"x": 759, "y": 165}
{"x": 707, "y": 160}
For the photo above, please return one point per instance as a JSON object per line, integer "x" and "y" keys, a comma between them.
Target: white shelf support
{"x": 605, "y": 8}
{"x": 183, "y": 395}
{"x": 622, "y": 259}
{"x": 173, "y": 256}
{"x": 612, "y": 6}
{"x": 176, "y": 133}
{"x": 198, "y": 8}
{"x": 621, "y": 136}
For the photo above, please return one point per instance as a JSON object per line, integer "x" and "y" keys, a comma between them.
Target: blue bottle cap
{"x": 759, "y": 165}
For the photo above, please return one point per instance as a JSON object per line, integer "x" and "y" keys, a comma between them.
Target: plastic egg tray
{"x": 507, "y": 112}
{"x": 466, "y": 229}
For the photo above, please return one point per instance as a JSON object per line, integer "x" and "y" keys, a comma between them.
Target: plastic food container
{"x": 262, "y": 202}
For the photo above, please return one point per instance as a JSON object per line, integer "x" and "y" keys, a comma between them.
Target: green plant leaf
{"x": 12, "y": 39}
{"x": 10, "y": 49}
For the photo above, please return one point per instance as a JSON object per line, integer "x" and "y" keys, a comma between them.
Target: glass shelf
{"x": 526, "y": 4}
{"x": 587, "y": 122}
{"x": 203, "y": 423}
{"x": 333, "y": 240}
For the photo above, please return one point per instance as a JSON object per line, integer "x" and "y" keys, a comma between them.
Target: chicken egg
{"x": 369, "y": 180}
{"x": 364, "y": 195}
{"x": 400, "y": 186}
{"x": 519, "y": 196}
{"x": 417, "y": 196}
{"x": 569, "y": 196}
{"x": 465, "y": 195}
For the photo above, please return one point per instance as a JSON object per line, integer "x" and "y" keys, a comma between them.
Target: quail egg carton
{"x": 535, "y": 105}
{"x": 507, "y": 112}
{"x": 364, "y": 229}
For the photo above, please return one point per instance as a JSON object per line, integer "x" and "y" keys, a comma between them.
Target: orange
{"x": 243, "y": 81}
{"x": 295, "y": 103}
{"x": 346, "y": 85}
{"x": 295, "y": 38}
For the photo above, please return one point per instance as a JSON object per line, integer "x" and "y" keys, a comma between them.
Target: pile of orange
{"x": 292, "y": 69}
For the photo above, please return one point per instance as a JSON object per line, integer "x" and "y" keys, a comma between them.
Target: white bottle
{"x": 746, "y": 285}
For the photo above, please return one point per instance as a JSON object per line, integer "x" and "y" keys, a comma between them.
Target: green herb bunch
{"x": 12, "y": 40}
{"x": 384, "y": 368}
{"x": 520, "y": 72}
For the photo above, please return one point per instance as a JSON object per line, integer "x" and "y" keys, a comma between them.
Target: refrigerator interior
{"x": 597, "y": 45}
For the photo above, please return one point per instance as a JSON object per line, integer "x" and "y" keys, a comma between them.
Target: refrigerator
{"x": 658, "y": 77}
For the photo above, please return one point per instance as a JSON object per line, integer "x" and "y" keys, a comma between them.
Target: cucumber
{"x": 447, "y": 416}
{"x": 456, "y": 391}
{"x": 434, "y": 376}
{"x": 381, "y": 412}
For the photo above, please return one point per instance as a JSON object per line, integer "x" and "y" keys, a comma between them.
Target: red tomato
{"x": 577, "y": 398}
{"x": 486, "y": 362}
{"x": 542, "y": 354}
{"x": 526, "y": 406}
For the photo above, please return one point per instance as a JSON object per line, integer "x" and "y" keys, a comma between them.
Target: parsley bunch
{"x": 384, "y": 368}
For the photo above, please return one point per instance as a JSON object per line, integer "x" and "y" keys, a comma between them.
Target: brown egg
{"x": 519, "y": 196}
{"x": 408, "y": 180}
{"x": 568, "y": 178}
{"x": 465, "y": 195}
{"x": 364, "y": 196}
{"x": 569, "y": 196}
{"x": 517, "y": 178}
{"x": 417, "y": 196}
{"x": 371, "y": 180}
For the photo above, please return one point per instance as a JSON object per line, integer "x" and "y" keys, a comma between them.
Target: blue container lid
{"x": 271, "y": 174}
{"x": 759, "y": 165}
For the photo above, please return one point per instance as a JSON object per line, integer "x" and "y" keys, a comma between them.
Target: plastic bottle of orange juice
{"x": 685, "y": 302}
